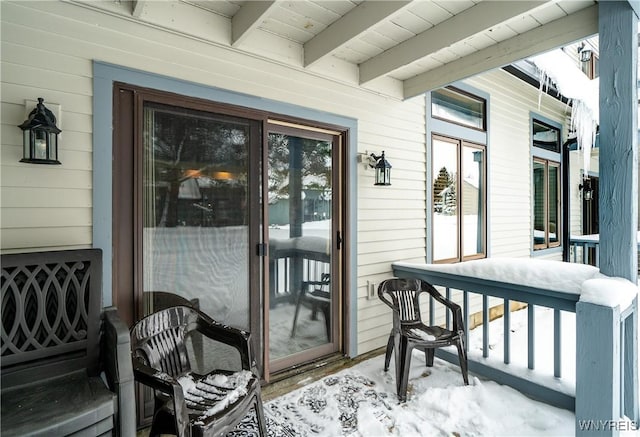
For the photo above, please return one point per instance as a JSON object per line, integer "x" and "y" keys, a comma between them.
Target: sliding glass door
{"x": 222, "y": 208}
{"x": 303, "y": 300}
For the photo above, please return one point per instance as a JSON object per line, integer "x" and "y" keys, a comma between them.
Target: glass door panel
{"x": 539, "y": 201}
{"x": 472, "y": 204}
{"x": 554, "y": 204}
{"x": 445, "y": 200}
{"x": 302, "y": 298}
{"x": 195, "y": 215}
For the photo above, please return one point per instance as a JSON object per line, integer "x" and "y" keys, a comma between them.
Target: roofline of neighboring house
{"x": 527, "y": 72}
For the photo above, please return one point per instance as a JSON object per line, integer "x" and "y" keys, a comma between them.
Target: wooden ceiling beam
{"x": 248, "y": 18}
{"x": 571, "y": 28}
{"x": 477, "y": 19}
{"x": 351, "y": 25}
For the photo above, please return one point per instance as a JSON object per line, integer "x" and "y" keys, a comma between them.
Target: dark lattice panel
{"x": 50, "y": 303}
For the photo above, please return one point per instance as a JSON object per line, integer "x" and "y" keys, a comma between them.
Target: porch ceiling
{"x": 408, "y": 46}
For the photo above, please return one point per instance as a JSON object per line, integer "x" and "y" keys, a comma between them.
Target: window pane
{"x": 445, "y": 210}
{"x": 458, "y": 107}
{"x": 554, "y": 203}
{"x": 539, "y": 228}
{"x": 546, "y": 137}
{"x": 472, "y": 200}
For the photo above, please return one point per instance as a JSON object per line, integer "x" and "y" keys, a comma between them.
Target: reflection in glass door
{"x": 302, "y": 296}
{"x": 195, "y": 215}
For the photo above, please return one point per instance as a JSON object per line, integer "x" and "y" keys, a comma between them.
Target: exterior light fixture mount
{"x": 587, "y": 189}
{"x": 382, "y": 168}
{"x": 40, "y": 136}
{"x": 585, "y": 54}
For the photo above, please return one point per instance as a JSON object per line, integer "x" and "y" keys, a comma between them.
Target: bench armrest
{"x": 116, "y": 359}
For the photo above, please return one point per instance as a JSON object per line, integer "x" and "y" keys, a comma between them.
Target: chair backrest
{"x": 160, "y": 339}
{"x": 403, "y": 296}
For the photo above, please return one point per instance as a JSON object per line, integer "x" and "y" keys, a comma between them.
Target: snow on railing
{"x": 563, "y": 287}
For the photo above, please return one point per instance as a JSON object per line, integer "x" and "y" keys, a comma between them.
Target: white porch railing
{"x": 604, "y": 330}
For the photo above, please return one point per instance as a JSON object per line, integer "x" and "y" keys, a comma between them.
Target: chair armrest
{"x": 228, "y": 335}
{"x": 167, "y": 384}
{"x": 458, "y": 324}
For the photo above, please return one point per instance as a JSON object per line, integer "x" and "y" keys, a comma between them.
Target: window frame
{"x": 548, "y": 244}
{"x": 468, "y": 95}
{"x": 548, "y": 158}
{"x": 460, "y": 256}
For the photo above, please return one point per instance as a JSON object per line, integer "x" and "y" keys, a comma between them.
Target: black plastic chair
{"x": 189, "y": 404}
{"x": 318, "y": 296}
{"x": 409, "y": 332}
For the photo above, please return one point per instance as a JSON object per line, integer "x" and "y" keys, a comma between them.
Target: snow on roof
{"x": 558, "y": 67}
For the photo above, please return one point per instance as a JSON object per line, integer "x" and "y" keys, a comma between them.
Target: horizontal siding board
{"x": 45, "y": 197}
{"x": 376, "y": 247}
{"x": 45, "y": 217}
{"x": 37, "y": 77}
{"x": 72, "y": 160}
{"x": 39, "y": 57}
{"x": 400, "y": 234}
{"x": 29, "y": 175}
{"x": 30, "y": 238}
{"x": 70, "y": 102}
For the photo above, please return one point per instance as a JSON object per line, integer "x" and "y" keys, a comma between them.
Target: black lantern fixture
{"x": 585, "y": 54}
{"x": 587, "y": 190}
{"x": 40, "y": 136}
{"x": 383, "y": 170}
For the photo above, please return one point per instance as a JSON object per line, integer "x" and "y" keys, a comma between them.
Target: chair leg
{"x": 387, "y": 355}
{"x": 262, "y": 424}
{"x": 462, "y": 357}
{"x": 326, "y": 311}
{"x": 162, "y": 423}
{"x": 404, "y": 353}
{"x": 295, "y": 316}
{"x": 429, "y": 354}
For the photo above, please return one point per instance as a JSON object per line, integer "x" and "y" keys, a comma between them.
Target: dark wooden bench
{"x": 66, "y": 364}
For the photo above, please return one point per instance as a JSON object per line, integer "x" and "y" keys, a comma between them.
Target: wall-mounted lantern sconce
{"x": 383, "y": 169}
{"x": 585, "y": 54}
{"x": 380, "y": 164}
{"x": 40, "y": 136}
{"x": 587, "y": 190}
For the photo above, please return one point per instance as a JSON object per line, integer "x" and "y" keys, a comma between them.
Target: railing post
{"x": 597, "y": 369}
{"x": 606, "y": 363}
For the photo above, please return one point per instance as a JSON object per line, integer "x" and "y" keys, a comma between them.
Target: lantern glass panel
{"x": 40, "y": 144}
{"x": 53, "y": 146}
{"x": 26, "y": 142}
